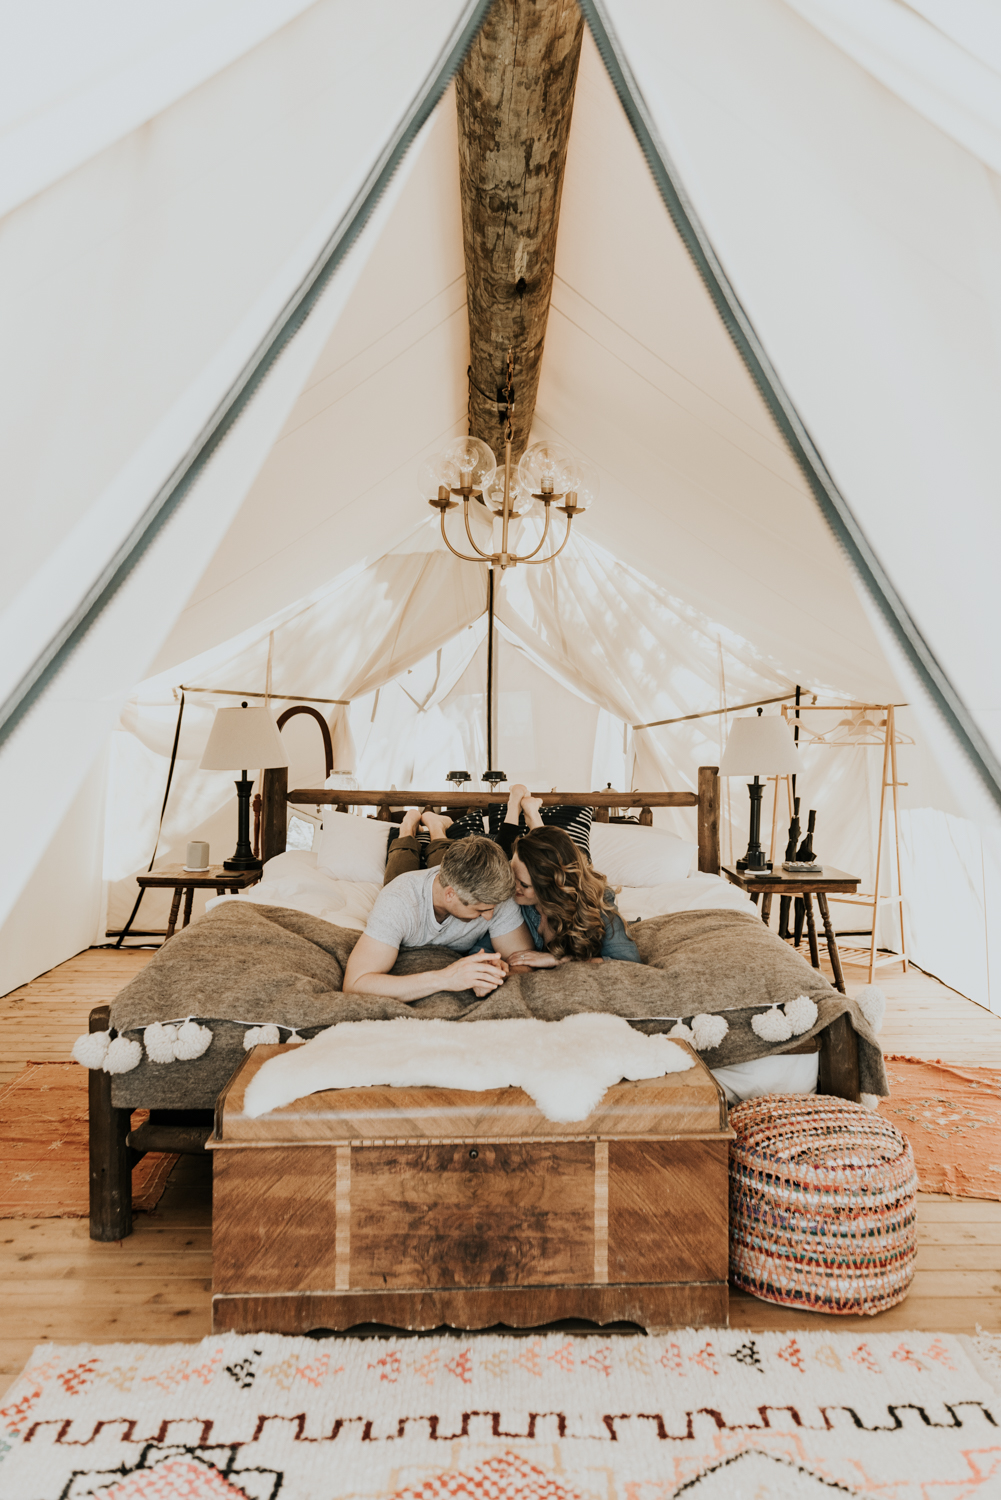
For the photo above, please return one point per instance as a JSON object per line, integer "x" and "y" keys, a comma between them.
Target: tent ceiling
{"x": 699, "y": 491}
{"x": 338, "y": 486}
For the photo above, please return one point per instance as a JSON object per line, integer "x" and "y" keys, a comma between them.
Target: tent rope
{"x": 159, "y": 827}
{"x": 709, "y": 713}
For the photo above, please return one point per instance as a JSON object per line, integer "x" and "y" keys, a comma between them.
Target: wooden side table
{"x": 186, "y": 882}
{"x": 828, "y": 883}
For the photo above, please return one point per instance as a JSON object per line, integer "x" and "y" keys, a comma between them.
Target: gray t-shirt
{"x": 403, "y": 917}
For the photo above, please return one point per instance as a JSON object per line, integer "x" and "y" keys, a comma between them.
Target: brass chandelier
{"x": 547, "y": 474}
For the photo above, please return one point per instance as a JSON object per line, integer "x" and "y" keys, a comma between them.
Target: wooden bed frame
{"x": 115, "y": 1147}
{"x": 276, "y": 799}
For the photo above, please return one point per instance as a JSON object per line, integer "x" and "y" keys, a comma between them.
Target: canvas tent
{"x": 801, "y": 291}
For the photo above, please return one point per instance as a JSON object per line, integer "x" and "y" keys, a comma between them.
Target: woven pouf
{"x": 823, "y": 1204}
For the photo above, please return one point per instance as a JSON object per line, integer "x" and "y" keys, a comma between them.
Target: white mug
{"x": 198, "y": 856}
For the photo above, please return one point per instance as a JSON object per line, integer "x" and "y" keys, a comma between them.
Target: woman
{"x": 567, "y": 905}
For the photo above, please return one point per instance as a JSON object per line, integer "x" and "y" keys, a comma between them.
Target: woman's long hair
{"x": 568, "y": 892}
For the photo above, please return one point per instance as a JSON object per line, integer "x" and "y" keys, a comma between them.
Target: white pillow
{"x": 351, "y": 848}
{"x": 303, "y": 830}
{"x": 628, "y": 854}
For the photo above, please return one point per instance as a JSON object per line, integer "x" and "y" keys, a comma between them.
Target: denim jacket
{"x": 617, "y": 944}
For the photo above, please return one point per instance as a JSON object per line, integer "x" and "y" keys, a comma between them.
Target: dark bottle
{"x": 805, "y": 852}
{"x": 786, "y": 901}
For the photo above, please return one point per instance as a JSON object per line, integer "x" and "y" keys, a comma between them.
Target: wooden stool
{"x": 186, "y": 882}
{"x": 783, "y": 883}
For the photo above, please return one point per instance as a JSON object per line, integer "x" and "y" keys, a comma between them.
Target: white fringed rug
{"x": 710, "y": 1414}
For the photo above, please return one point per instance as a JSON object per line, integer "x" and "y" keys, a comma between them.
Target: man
{"x": 467, "y": 897}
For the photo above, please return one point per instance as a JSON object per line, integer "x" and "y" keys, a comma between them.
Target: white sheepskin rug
{"x": 566, "y": 1066}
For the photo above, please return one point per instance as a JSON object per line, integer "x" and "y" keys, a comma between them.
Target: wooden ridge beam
{"x": 514, "y": 95}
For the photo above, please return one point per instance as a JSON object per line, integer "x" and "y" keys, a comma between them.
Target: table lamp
{"x": 243, "y": 737}
{"x": 759, "y": 747}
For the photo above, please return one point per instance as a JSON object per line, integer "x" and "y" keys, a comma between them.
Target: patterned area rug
{"x": 952, "y": 1118}
{"x": 710, "y": 1414}
{"x": 44, "y": 1150}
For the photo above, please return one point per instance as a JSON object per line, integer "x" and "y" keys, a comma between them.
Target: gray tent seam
{"x": 832, "y": 504}
{"x": 297, "y": 309}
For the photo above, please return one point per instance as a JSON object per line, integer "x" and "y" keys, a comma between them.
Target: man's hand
{"x": 480, "y": 972}
{"x": 367, "y": 973}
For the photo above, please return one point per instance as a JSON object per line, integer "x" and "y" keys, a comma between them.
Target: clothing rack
{"x": 874, "y": 901}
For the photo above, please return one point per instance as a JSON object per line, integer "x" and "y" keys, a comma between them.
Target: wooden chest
{"x": 419, "y": 1207}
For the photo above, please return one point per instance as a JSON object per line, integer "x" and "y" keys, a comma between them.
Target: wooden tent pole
{"x": 490, "y": 669}
{"x": 879, "y": 844}
{"x": 891, "y": 730}
{"x": 514, "y": 98}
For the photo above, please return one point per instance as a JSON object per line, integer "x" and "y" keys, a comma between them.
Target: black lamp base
{"x": 243, "y": 854}
{"x": 747, "y": 866}
{"x": 754, "y": 860}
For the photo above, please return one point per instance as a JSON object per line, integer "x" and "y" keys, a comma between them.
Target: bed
{"x": 248, "y": 963}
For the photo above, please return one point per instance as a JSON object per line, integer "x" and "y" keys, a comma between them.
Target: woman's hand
{"x": 530, "y": 807}
{"x": 533, "y": 958}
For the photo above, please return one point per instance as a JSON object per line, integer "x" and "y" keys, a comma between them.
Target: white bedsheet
{"x": 293, "y": 880}
{"x": 698, "y": 893}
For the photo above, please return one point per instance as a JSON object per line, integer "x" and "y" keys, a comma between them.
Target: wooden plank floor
{"x": 155, "y": 1286}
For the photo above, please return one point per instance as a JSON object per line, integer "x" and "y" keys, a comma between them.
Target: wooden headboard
{"x": 276, "y": 797}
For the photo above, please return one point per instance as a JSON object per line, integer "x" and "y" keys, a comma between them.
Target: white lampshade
{"x": 760, "y": 747}
{"x": 243, "y": 737}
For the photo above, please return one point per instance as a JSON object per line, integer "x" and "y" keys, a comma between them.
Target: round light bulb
{"x": 493, "y": 497}
{"x": 547, "y": 469}
{"x": 588, "y": 482}
{"x": 434, "y": 474}
{"x": 473, "y": 461}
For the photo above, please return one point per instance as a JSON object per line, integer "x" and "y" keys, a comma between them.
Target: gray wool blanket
{"x": 248, "y": 965}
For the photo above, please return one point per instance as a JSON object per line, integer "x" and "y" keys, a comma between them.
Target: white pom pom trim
{"x": 801, "y": 1014}
{"x": 123, "y": 1055}
{"x": 261, "y": 1036}
{"x": 870, "y": 1101}
{"x": 91, "y": 1049}
{"x": 872, "y": 1003}
{"x": 772, "y": 1026}
{"x": 192, "y": 1041}
{"x": 682, "y": 1033}
{"x": 176, "y": 1043}
{"x": 160, "y": 1042}
{"x": 709, "y": 1031}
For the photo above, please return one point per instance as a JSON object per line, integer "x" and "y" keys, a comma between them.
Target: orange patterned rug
{"x": 952, "y": 1118}
{"x": 44, "y": 1150}
{"x": 701, "y": 1414}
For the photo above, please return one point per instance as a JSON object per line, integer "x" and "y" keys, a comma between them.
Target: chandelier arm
{"x": 542, "y": 540}
{"x": 462, "y": 555}
{"x": 487, "y": 556}
{"x": 535, "y": 561}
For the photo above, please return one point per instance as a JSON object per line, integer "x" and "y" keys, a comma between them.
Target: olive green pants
{"x": 405, "y": 854}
